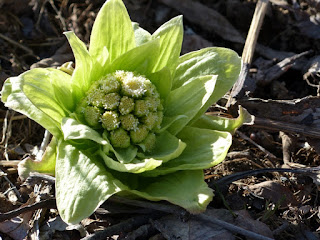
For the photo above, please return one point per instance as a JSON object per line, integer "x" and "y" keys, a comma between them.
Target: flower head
{"x": 130, "y": 116}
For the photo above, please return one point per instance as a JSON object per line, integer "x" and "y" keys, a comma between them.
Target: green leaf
{"x": 167, "y": 147}
{"x": 140, "y": 59}
{"x": 125, "y": 155}
{"x": 171, "y": 36}
{"x": 168, "y": 121}
{"x": 73, "y": 130}
{"x": 141, "y": 36}
{"x": 82, "y": 183}
{"x": 135, "y": 166}
{"x": 184, "y": 188}
{"x": 112, "y": 29}
{"x": 209, "y": 61}
{"x": 43, "y": 95}
{"x": 187, "y": 100}
{"x": 222, "y": 123}
{"x": 87, "y": 69}
{"x": 205, "y": 148}
{"x": 45, "y": 166}
{"x": 163, "y": 81}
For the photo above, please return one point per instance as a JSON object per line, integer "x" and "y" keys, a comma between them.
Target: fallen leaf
{"x": 245, "y": 221}
{"x": 274, "y": 192}
{"x": 174, "y": 228}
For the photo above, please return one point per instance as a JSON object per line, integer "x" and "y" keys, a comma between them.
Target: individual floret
{"x": 150, "y": 120}
{"x": 96, "y": 97}
{"x": 109, "y": 84}
{"x": 92, "y": 116}
{"x": 132, "y": 86}
{"x": 141, "y": 108}
{"x": 111, "y": 101}
{"x": 110, "y": 120}
{"x": 129, "y": 122}
{"x": 119, "y": 138}
{"x": 126, "y": 105}
{"x": 138, "y": 135}
{"x": 149, "y": 142}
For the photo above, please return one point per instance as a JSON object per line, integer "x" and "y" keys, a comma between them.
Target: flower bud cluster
{"x": 127, "y": 106}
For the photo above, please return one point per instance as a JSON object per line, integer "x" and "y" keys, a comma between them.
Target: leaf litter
{"x": 280, "y": 205}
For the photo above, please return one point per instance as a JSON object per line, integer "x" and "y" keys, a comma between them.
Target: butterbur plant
{"x": 129, "y": 119}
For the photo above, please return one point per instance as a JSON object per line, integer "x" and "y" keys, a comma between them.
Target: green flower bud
{"x": 126, "y": 105}
{"x": 96, "y": 98}
{"x": 138, "y": 135}
{"x": 141, "y": 108}
{"x": 151, "y": 120}
{"x": 151, "y": 90}
{"x": 119, "y": 138}
{"x": 110, "y": 120}
{"x": 159, "y": 121}
{"x": 111, "y": 101}
{"x": 149, "y": 142}
{"x": 129, "y": 122}
{"x": 109, "y": 84}
{"x": 153, "y": 103}
{"x": 132, "y": 86}
{"x": 92, "y": 116}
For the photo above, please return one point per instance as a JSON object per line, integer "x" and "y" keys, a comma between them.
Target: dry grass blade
{"x": 250, "y": 45}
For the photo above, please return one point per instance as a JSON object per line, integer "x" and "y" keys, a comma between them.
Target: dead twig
{"x": 4, "y": 127}
{"x": 279, "y": 69}
{"x": 7, "y": 131}
{"x": 11, "y": 163}
{"x": 181, "y": 212}
{"x": 311, "y": 172}
{"x": 44, "y": 144}
{"x": 125, "y": 226}
{"x": 274, "y": 125}
{"x": 19, "y": 45}
{"x": 249, "y": 47}
{"x": 63, "y": 22}
{"x": 48, "y": 203}
{"x": 142, "y": 232}
{"x": 287, "y": 146}
{"x": 14, "y": 118}
{"x": 269, "y": 154}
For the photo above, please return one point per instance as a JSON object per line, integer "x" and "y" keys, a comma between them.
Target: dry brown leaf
{"x": 274, "y": 192}
{"x": 245, "y": 221}
{"x": 174, "y": 228}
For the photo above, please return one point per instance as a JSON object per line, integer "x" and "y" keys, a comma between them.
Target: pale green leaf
{"x": 112, "y": 29}
{"x": 140, "y": 59}
{"x": 184, "y": 188}
{"x": 171, "y": 36}
{"x": 142, "y": 36}
{"x": 125, "y": 155}
{"x": 205, "y": 148}
{"x": 43, "y": 95}
{"x": 223, "y": 123}
{"x": 87, "y": 69}
{"x": 163, "y": 81}
{"x": 82, "y": 183}
{"x": 135, "y": 166}
{"x": 45, "y": 166}
{"x": 209, "y": 61}
{"x": 168, "y": 121}
{"x": 187, "y": 100}
{"x": 73, "y": 130}
{"x": 167, "y": 147}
